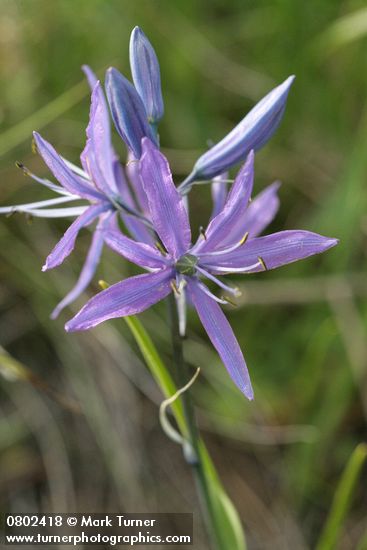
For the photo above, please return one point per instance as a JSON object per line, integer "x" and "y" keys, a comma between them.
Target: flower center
{"x": 186, "y": 265}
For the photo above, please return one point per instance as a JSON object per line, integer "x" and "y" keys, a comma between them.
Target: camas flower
{"x": 146, "y": 75}
{"x": 100, "y": 183}
{"x": 229, "y": 245}
{"x": 253, "y": 132}
{"x": 136, "y": 110}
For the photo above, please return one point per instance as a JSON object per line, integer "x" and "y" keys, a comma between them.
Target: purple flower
{"x": 100, "y": 184}
{"x": 252, "y": 132}
{"x": 146, "y": 75}
{"x": 137, "y": 110}
{"x": 229, "y": 245}
{"x": 128, "y": 111}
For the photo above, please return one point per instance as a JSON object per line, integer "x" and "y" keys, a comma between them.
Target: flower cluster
{"x": 153, "y": 211}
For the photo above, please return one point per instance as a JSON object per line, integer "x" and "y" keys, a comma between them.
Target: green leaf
{"x": 342, "y": 499}
{"x": 226, "y": 519}
{"x": 229, "y": 532}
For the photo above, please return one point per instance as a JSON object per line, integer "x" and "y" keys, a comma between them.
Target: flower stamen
{"x": 232, "y": 290}
{"x": 230, "y": 269}
{"x": 21, "y": 166}
{"x": 175, "y": 288}
{"x": 263, "y": 264}
{"x": 160, "y": 248}
{"x": 206, "y": 290}
{"x": 202, "y": 232}
{"x": 230, "y": 248}
{"x": 131, "y": 161}
{"x": 229, "y": 301}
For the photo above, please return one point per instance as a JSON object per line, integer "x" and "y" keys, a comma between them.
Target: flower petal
{"x": 68, "y": 212}
{"x": 125, "y": 298}
{"x": 222, "y": 337}
{"x": 251, "y": 133}
{"x": 66, "y": 244}
{"x": 261, "y": 211}
{"x": 274, "y": 251}
{"x": 62, "y": 172}
{"x": 91, "y": 77}
{"x": 138, "y": 253}
{"x": 146, "y": 74}
{"x": 98, "y": 155}
{"x": 219, "y": 190}
{"x": 222, "y": 230}
{"x": 258, "y": 215}
{"x": 133, "y": 173}
{"x": 127, "y": 111}
{"x": 88, "y": 270}
{"x": 167, "y": 209}
{"x": 137, "y": 229}
{"x": 39, "y": 204}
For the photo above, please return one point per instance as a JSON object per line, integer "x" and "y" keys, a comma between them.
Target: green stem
{"x": 194, "y": 457}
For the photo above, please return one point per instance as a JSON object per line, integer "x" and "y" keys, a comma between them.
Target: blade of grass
{"x": 343, "y": 31}
{"x": 228, "y": 524}
{"x": 157, "y": 368}
{"x": 342, "y": 499}
{"x": 15, "y": 135}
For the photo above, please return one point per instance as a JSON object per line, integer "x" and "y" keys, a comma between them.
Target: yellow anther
{"x": 174, "y": 288}
{"x": 103, "y": 284}
{"x": 25, "y": 170}
{"x": 12, "y": 213}
{"x": 34, "y": 147}
{"x": 263, "y": 264}
{"x": 131, "y": 161}
{"x": 160, "y": 248}
{"x": 231, "y": 302}
{"x": 244, "y": 239}
{"x": 202, "y": 232}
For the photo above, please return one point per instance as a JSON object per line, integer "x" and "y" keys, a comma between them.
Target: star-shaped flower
{"x": 136, "y": 109}
{"x": 100, "y": 184}
{"x": 229, "y": 245}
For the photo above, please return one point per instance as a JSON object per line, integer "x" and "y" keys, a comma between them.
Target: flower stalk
{"x": 192, "y": 454}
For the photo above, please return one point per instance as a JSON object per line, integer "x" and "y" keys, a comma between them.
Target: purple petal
{"x": 167, "y": 209}
{"x": 121, "y": 183}
{"x": 125, "y": 298}
{"x": 261, "y": 211}
{"x": 70, "y": 181}
{"x": 222, "y": 337}
{"x": 66, "y": 244}
{"x": 133, "y": 173}
{"x": 146, "y": 74}
{"x": 274, "y": 250}
{"x": 219, "y": 189}
{"x": 222, "y": 230}
{"x": 251, "y": 133}
{"x": 88, "y": 270}
{"x": 91, "y": 77}
{"x": 98, "y": 155}
{"x": 138, "y": 253}
{"x": 127, "y": 111}
{"x": 137, "y": 229}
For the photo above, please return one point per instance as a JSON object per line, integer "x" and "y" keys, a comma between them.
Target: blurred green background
{"x": 81, "y": 431}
